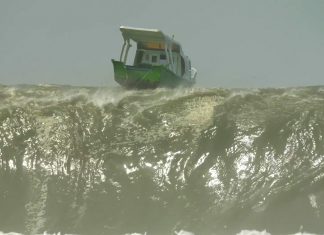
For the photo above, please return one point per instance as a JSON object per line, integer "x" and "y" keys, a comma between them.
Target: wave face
{"x": 210, "y": 161}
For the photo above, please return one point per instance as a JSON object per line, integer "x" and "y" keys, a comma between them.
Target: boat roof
{"x": 142, "y": 35}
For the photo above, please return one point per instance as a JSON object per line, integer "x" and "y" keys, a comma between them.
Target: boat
{"x": 158, "y": 62}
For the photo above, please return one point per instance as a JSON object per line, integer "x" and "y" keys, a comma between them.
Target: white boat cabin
{"x": 155, "y": 48}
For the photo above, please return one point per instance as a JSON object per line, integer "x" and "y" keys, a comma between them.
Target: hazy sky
{"x": 241, "y": 43}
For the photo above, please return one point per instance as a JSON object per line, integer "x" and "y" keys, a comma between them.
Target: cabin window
{"x": 154, "y": 58}
{"x": 163, "y": 57}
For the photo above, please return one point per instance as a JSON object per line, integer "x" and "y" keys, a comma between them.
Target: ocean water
{"x": 82, "y": 160}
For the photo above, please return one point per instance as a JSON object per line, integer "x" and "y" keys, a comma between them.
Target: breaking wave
{"x": 211, "y": 161}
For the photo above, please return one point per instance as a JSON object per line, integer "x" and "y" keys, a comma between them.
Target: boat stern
{"x": 145, "y": 76}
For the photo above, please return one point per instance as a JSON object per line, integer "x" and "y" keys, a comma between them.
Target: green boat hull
{"x": 147, "y": 76}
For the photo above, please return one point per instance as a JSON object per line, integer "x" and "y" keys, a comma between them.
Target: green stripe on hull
{"x": 146, "y": 76}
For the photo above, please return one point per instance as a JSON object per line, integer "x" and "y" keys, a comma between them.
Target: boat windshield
{"x": 156, "y": 46}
